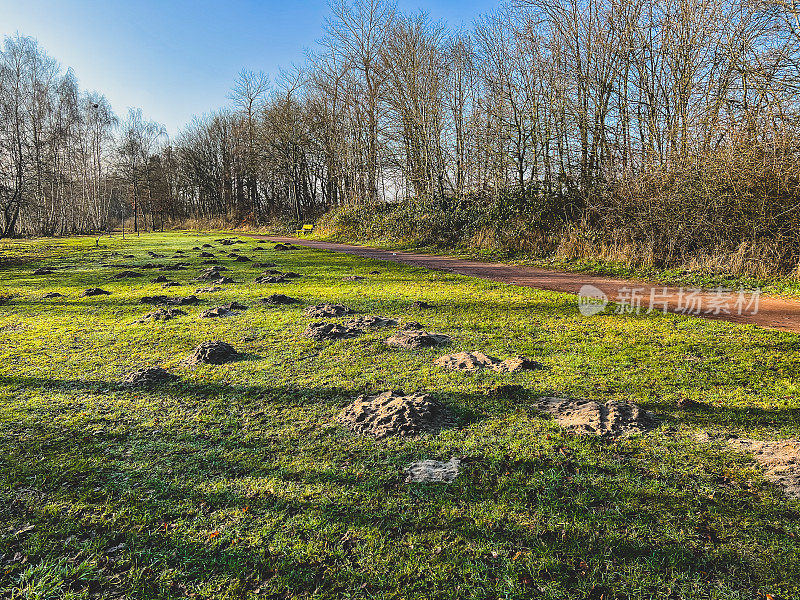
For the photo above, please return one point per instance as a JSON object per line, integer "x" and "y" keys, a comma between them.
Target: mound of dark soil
{"x": 207, "y": 254}
{"x": 276, "y": 299}
{"x": 353, "y": 278}
{"x": 330, "y": 331}
{"x": 270, "y": 279}
{"x": 467, "y": 361}
{"x": 53, "y": 295}
{"x": 421, "y": 304}
{"x": 187, "y": 301}
{"x": 170, "y": 284}
{"x": 211, "y": 273}
{"x": 222, "y": 311}
{"x": 160, "y": 279}
{"x": 211, "y": 313}
{"x": 207, "y": 246}
{"x": 327, "y": 310}
{"x": 213, "y": 353}
{"x": 127, "y": 274}
{"x": 43, "y": 271}
{"x": 207, "y": 290}
{"x": 95, "y": 292}
{"x": 588, "y": 417}
{"x": 175, "y": 267}
{"x": 149, "y": 376}
{"x": 389, "y": 413}
{"x": 162, "y": 314}
{"x": 474, "y": 361}
{"x": 371, "y": 322}
{"x": 417, "y": 338}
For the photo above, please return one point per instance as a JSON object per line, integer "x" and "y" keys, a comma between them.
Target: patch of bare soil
{"x": 162, "y": 314}
{"x": 211, "y": 313}
{"x": 432, "y": 471}
{"x": 207, "y": 254}
{"x": 330, "y": 331}
{"x": 353, "y": 278}
{"x": 43, "y": 271}
{"x": 417, "y": 338}
{"x": 270, "y": 279}
{"x": 467, "y": 361}
{"x": 327, "y": 310}
{"x": 370, "y": 322}
{"x": 95, "y": 292}
{"x": 207, "y": 290}
{"x": 779, "y": 459}
{"x": 211, "y": 273}
{"x": 390, "y": 413}
{"x": 175, "y": 267}
{"x": 213, "y": 353}
{"x": 160, "y": 279}
{"x": 421, "y": 304}
{"x": 276, "y": 299}
{"x": 166, "y": 300}
{"x": 53, "y": 295}
{"x": 222, "y": 311}
{"x": 127, "y": 274}
{"x": 148, "y": 376}
{"x": 588, "y": 417}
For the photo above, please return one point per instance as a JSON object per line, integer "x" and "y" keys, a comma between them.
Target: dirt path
{"x": 745, "y": 307}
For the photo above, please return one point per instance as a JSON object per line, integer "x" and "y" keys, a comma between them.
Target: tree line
{"x": 68, "y": 164}
{"x": 666, "y": 124}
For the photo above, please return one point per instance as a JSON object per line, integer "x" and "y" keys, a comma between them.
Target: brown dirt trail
{"x": 775, "y": 313}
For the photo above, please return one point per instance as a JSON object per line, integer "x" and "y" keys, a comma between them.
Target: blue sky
{"x": 178, "y": 58}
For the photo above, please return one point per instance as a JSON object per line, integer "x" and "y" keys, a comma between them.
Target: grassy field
{"x": 236, "y": 481}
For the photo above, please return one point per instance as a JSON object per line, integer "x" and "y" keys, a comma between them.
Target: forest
{"x": 664, "y": 131}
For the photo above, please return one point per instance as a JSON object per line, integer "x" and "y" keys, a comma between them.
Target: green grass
{"x": 236, "y": 481}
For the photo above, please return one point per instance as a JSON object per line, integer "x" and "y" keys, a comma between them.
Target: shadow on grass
{"x": 286, "y": 527}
